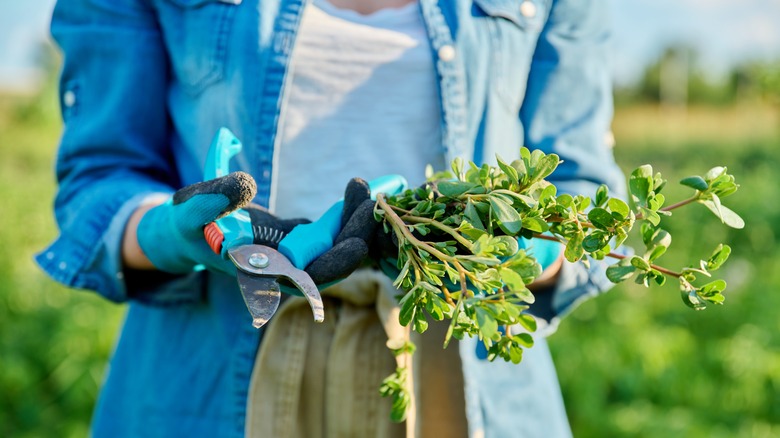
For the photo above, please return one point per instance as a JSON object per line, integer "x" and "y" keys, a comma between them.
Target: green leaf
{"x": 660, "y": 237}
{"x": 718, "y": 257}
{"x": 651, "y": 216}
{"x": 658, "y": 251}
{"x": 712, "y": 288}
{"x": 582, "y": 202}
{"x": 695, "y": 182}
{"x": 514, "y": 283}
{"x": 506, "y": 245}
{"x": 547, "y": 194}
{"x": 488, "y": 261}
{"x": 457, "y": 167}
{"x": 525, "y": 153}
{"x": 714, "y": 173}
{"x": 602, "y": 193}
{"x": 511, "y": 279}
{"x": 620, "y": 272}
{"x": 408, "y": 307}
{"x": 655, "y": 202}
{"x": 574, "y": 250}
{"x": 693, "y": 301}
{"x": 522, "y": 171}
{"x": 546, "y": 166}
{"x": 535, "y": 224}
{"x": 601, "y": 218}
{"x": 453, "y": 189}
{"x": 508, "y": 218}
{"x": 510, "y": 171}
{"x": 472, "y": 215}
{"x": 640, "y": 263}
{"x": 647, "y": 230}
{"x": 618, "y": 206}
{"x": 726, "y": 215}
{"x": 528, "y": 322}
{"x": 515, "y": 354}
{"x": 594, "y": 242}
{"x": 513, "y": 310}
{"x": 488, "y": 327}
{"x": 438, "y": 307}
{"x": 420, "y": 323}
{"x": 566, "y": 200}
{"x": 640, "y": 183}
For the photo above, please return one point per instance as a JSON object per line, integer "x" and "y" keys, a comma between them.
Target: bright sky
{"x": 724, "y": 32}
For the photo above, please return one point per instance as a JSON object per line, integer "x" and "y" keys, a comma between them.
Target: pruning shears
{"x": 260, "y": 268}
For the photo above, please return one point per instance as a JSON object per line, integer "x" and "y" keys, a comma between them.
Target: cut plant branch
{"x": 466, "y": 243}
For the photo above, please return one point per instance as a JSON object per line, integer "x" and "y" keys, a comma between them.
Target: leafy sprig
{"x": 459, "y": 257}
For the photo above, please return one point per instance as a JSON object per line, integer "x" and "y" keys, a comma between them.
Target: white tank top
{"x": 362, "y": 101}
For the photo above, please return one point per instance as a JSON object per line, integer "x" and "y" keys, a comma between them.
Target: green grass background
{"x": 632, "y": 363}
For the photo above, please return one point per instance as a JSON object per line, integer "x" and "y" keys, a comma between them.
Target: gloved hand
{"x": 171, "y": 234}
{"x": 355, "y": 240}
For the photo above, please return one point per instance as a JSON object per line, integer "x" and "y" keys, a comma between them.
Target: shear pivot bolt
{"x": 258, "y": 260}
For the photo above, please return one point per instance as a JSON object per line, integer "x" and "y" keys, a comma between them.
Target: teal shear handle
{"x": 309, "y": 241}
{"x": 236, "y": 228}
{"x": 306, "y": 242}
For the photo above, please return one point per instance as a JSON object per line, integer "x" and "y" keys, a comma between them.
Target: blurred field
{"x": 54, "y": 342}
{"x": 632, "y": 363}
{"x": 637, "y": 362}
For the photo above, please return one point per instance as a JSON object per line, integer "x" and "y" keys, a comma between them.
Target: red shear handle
{"x": 214, "y": 237}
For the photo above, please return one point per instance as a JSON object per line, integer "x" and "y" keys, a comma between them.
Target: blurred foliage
{"x": 636, "y": 362}
{"x": 675, "y": 78}
{"x": 633, "y": 362}
{"x": 54, "y": 343}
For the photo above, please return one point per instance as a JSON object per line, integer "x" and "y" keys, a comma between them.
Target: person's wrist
{"x": 133, "y": 256}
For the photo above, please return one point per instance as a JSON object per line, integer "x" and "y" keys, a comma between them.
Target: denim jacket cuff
{"x": 103, "y": 270}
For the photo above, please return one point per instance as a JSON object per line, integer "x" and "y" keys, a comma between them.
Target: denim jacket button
{"x": 609, "y": 139}
{"x": 528, "y": 9}
{"x": 447, "y": 53}
{"x": 69, "y": 98}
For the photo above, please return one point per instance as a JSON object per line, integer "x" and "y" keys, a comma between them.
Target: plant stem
{"x": 449, "y": 230}
{"x": 614, "y": 256}
{"x": 399, "y": 225}
{"x": 640, "y": 216}
{"x": 681, "y": 203}
{"x": 660, "y": 269}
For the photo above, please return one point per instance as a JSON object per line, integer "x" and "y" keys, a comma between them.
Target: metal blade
{"x": 262, "y": 261}
{"x": 261, "y": 295}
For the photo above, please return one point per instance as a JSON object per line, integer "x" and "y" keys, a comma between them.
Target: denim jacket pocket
{"x": 514, "y": 27}
{"x": 196, "y": 33}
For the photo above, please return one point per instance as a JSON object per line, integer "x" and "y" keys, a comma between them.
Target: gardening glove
{"x": 353, "y": 244}
{"x": 171, "y": 234}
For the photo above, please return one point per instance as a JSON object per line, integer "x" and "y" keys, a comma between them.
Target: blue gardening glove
{"x": 171, "y": 234}
{"x": 353, "y": 244}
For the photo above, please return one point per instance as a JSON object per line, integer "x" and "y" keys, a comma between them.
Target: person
{"x": 318, "y": 92}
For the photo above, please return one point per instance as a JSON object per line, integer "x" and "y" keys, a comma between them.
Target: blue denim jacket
{"x": 146, "y": 83}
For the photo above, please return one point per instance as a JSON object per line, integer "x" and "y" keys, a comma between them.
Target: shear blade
{"x": 261, "y": 295}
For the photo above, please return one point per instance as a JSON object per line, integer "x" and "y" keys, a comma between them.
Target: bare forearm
{"x": 133, "y": 256}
